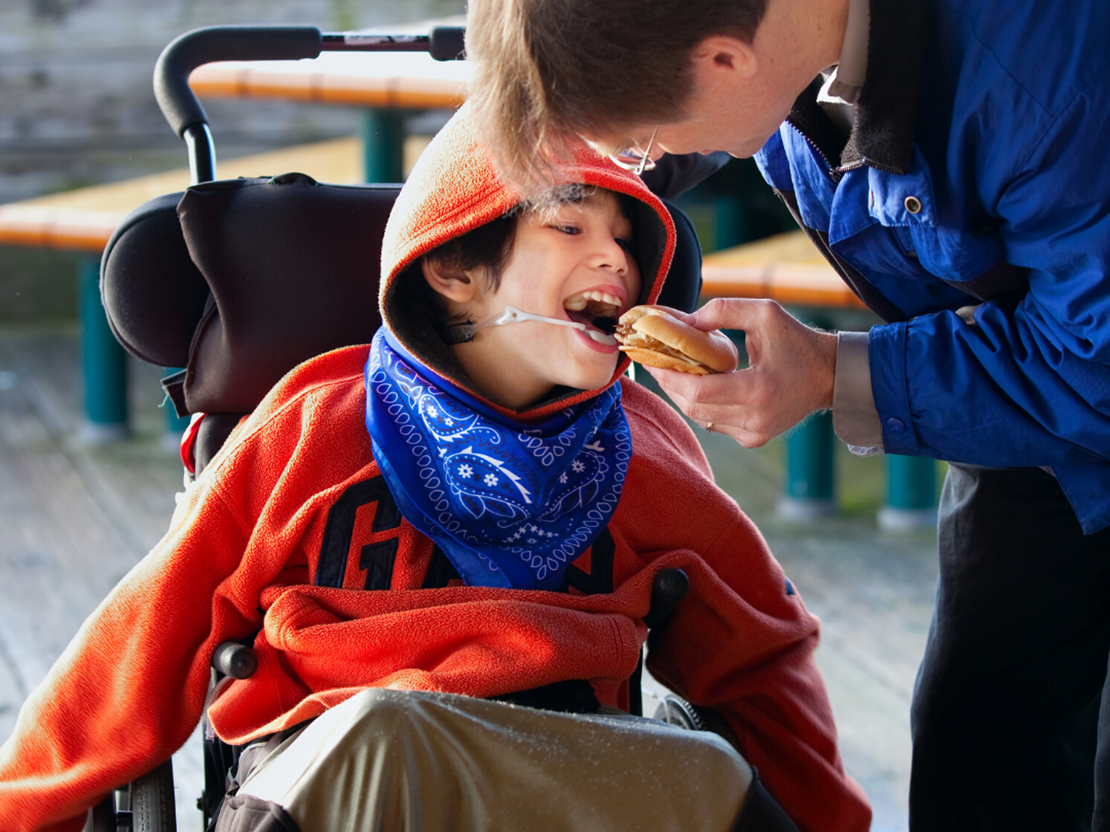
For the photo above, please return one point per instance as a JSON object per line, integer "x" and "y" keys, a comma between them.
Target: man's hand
{"x": 790, "y": 373}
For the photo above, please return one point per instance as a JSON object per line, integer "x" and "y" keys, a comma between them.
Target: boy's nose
{"x": 612, "y": 255}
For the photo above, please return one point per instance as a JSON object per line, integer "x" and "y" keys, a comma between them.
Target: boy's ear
{"x": 452, "y": 283}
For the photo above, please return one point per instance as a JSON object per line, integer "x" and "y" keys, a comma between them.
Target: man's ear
{"x": 723, "y": 57}
{"x": 453, "y": 283}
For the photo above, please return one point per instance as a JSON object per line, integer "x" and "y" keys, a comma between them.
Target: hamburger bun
{"x": 656, "y": 337}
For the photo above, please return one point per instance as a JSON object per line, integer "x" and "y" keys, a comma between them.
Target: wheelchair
{"x": 239, "y": 281}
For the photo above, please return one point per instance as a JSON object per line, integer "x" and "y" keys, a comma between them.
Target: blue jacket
{"x": 976, "y": 175}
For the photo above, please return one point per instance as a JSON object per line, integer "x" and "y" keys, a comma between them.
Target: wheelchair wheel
{"x": 152, "y": 806}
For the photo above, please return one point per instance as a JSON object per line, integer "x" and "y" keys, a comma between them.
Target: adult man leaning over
{"x": 948, "y": 158}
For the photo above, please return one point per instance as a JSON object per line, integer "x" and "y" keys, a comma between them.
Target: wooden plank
{"x": 84, "y": 219}
{"x": 75, "y": 519}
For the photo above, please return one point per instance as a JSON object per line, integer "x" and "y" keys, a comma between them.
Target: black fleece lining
{"x": 886, "y": 114}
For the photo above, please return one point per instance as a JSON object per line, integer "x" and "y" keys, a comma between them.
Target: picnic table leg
{"x": 911, "y": 493}
{"x": 809, "y": 487}
{"x": 104, "y": 365}
{"x": 383, "y": 140}
{"x": 809, "y": 484}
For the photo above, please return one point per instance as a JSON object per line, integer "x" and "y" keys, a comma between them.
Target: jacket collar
{"x": 887, "y": 110}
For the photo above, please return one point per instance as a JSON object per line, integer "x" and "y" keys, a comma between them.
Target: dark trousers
{"x": 1006, "y": 712}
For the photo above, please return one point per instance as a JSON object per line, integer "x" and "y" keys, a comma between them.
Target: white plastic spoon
{"x": 465, "y": 332}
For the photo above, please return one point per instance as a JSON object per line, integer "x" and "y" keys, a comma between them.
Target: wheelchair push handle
{"x": 264, "y": 43}
{"x": 222, "y": 43}
{"x": 273, "y": 43}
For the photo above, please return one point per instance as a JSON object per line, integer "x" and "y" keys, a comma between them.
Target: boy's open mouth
{"x": 594, "y": 308}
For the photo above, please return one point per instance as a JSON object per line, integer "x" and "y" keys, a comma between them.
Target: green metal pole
{"x": 911, "y": 493}
{"x": 809, "y": 484}
{"x": 104, "y": 365}
{"x": 383, "y": 141}
{"x": 809, "y": 487}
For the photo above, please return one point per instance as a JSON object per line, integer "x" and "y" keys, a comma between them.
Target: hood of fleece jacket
{"x": 454, "y": 188}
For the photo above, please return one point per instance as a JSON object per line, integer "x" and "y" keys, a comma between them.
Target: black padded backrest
{"x": 153, "y": 293}
{"x": 241, "y": 280}
{"x": 683, "y": 285}
{"x": 244, "y": 279}
{"x": 293, "y": 268}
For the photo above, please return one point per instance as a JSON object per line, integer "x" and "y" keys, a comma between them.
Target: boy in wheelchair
{"x": 442, "y": 549}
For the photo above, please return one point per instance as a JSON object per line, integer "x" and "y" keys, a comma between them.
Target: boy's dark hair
{"x": 547, "y": 70}
{"x": 487, "y": 246}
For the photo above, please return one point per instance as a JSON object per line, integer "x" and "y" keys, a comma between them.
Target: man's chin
{"x": 749, "y": 149}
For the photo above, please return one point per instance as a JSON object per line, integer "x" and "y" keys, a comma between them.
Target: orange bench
{"x": 84, "y": 220}
{"x": 787, "y": 268}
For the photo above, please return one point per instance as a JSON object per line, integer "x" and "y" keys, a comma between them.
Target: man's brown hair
{"x": 547, "y": 70}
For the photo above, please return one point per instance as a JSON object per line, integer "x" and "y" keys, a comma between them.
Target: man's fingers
{"x": 725, "y": 389}
{"x": 728, "y": 401}
{"x": 719, "y": 399}
{"x": 732, "y": 313}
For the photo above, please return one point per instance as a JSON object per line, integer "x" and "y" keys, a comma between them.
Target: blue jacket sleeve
{"x": 1024, "y": 385}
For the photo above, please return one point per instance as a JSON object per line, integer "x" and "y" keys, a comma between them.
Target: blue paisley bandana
{"x": 510, "y": 504}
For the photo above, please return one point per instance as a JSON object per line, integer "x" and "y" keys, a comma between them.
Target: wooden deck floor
{"x": 74, "y": 519}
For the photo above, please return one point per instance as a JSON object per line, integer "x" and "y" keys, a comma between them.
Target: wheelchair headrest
{"x": 241, "y": 280}
{"x": 275, "y": 271}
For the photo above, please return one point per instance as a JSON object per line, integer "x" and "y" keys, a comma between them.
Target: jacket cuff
{"x": 855, "y": 417}
{"x": 890, "y": 388}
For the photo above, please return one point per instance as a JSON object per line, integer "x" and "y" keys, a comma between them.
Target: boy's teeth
{"x": 578, "y": 302}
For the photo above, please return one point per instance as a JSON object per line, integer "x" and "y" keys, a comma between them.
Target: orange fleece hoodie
{"x": 295, "y": 495}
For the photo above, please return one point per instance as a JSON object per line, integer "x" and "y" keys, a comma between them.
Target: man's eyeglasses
{"x": 636, "y": 160}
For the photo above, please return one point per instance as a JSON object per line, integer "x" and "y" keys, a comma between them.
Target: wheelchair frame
{"x": 148, "y": 802}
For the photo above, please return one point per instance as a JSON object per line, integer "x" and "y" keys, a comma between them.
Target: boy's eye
{"x": 625, "y": 244}
{"x": 564, "y": 227}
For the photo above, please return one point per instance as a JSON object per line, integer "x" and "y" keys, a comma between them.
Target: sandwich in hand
{"x": 655, "y": 336}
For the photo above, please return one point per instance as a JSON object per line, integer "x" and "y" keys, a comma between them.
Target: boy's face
{"x": 568, "y": 263}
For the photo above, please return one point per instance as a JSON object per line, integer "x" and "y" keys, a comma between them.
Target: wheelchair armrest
{"x": 235, "y": 660}
{"x": 667, "y": 590}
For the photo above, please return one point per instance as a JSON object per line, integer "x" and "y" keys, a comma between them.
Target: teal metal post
{"x": 383, "y": 142}
{"x": 104, "y": 364}
{"x": 911, "y": 493}
{"x": 809, "y": 485}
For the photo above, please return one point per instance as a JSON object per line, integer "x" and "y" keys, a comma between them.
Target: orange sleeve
{"x": 742, "y": 641}
{"x": 131, "y": 686}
